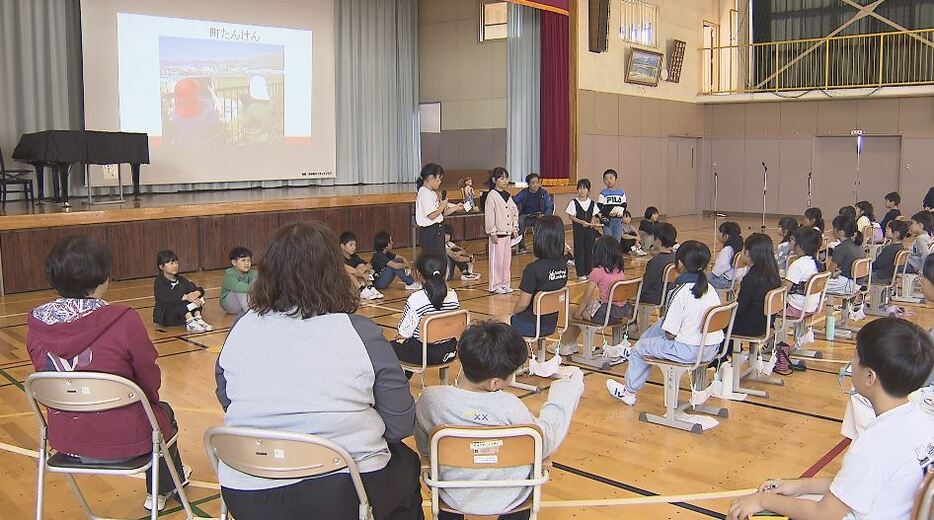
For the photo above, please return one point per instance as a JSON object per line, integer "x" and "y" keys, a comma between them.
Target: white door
{"x": 682, "y": 176}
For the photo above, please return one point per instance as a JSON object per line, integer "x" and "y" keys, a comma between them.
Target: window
{"x": 639, "y": 23}
{"x": 429, "y": 118}
{"x": 493, "y": 16}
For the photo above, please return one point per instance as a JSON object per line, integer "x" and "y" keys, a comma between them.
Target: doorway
{"x": 854, "y": 168}
{"x": 682, "y": 176}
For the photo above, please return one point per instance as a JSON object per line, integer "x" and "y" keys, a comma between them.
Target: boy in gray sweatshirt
{"x": 490, "y": 352}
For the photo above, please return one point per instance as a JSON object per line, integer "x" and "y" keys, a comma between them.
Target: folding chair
{"x": 760, "y": 371}
{"x": 623, "y": 290}
{"x": 905, "y": 290}
{"x": 544, "y": 303}
{"x": 485, "y": 448}
{"x": 862, "y": 268}
{"x": 816, "y": 287}
{"x": 90, "y": 392}
{"x": 644, "y": 310}
{"x": 434, "y": 329}
{"x": 274, "y": 454}
{"x": 923, "y": 508}
{"x": 716, "y": 318}
{"x": 729, "y": 295}
{"x": 881, "y": 295}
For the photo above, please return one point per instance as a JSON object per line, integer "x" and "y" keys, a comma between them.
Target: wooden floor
{"x": 608, "y": 453}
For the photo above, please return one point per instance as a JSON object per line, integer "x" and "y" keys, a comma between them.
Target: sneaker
{"x": 500, "y": 290}
{"x": 570, "y": 263}
{"x": 369, "y": 293}
{"x": 376, "y": 294}
{"x": 469, "y": 277}
{"x": 205, "y": 325}
{"x": 414, "y": 286}
{"x": 194, "y": 326}
{"x": 160, "y": 499}
{"x": 618, "y": 390}
{"x": 507, "y": 290}
{"x": 640, "y": 252}
{"x": 582, "y": 278}
{"x": 564, "y": 350}
{"x": 782, "y": 359}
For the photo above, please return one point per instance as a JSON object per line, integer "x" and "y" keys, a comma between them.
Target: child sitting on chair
{"x": 807, "y": 242}
{"x": 885, "y": 465}
{"x": 458, "y": 258}
{"x": 178, "y": 300}
{"x": 238, "y": 278}
{"x": 678, "y": 335}
{"x": 433, "y": 297}
{"x": 922, "y": 228}
{"x": 666, "y": 236}
{"x": 848, "y": 250}
{"x": 608, "y": 269}
{"x": 723, "y": 269}
{"x": 548, "y": 272}
{"x": 883, "y": 268}
{"x": 388, "y": 265}
{"x": 490, "y": 353}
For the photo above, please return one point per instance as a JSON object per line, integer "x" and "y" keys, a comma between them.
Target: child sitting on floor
{"x": 647, "y": 227}
{"x": 678, "y": 335}
{"x": 238, "y": 278}
{"x": 360, "y": 272}
{"x": 458, "y": 258}
{"x": 388, "y": 265}
{"x": 434, "y": 297}
{"x": 178, "y": 300}
{"x": 595, "y": 303}
{"x": 630, "y": 242}
{"x": 885, "y": 465}
{"x": 490, "y": 353}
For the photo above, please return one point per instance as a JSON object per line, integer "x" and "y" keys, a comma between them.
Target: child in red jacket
{"x": 79, "y": 331}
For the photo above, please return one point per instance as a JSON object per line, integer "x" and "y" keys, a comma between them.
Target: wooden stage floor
{"x": 608, "y": 453}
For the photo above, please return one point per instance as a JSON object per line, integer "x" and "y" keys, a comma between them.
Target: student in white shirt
{"x": 884, "y": 466}
{"x": 678, "y": 336}
{"x": 807, "y": 242}
{"x": 723, "y": 268}
{"x": 430, "y": 208}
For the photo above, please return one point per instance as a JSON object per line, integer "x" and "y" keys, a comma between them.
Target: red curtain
{"x": 555, "y": 101}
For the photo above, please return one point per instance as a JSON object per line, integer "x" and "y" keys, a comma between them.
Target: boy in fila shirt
{"x": 612, "y": 203}
{"x": 886, "y": 464}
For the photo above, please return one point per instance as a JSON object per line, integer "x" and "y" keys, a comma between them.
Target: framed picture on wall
{"x": 644, "y": 67}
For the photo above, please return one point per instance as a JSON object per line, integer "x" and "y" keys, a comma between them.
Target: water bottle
{"x": 830, "y": 324}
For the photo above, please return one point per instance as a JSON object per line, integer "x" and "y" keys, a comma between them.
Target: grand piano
{"x": 60, "y": 150}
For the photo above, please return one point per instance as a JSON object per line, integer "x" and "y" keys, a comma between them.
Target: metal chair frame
{"x": 880, "y": 295}
{"x": 644, "y": 310}
{"x": 774, "y": 305}
{"x": 282, "y": 455}
{"x": 631, "y": 290}
{"x": 435, "y": 328}
{"x": 672, "y": 371}
{"x": 88, "y": 392}
{"x": 545, "y": 302}
{"x": 485, "y": 448}
{"x": 816, "y": 286}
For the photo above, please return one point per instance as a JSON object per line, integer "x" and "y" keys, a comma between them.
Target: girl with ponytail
{"x": 814, "y": 218}
{"x": 434, "y": 297}
{"x": 723, "y": 268}
{"x": 677, "y": 336}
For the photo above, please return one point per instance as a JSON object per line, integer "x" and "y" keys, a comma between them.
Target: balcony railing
{"x": 838, "y": 62}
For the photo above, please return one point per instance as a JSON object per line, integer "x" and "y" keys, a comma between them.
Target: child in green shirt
{"x": 237, "y": 281}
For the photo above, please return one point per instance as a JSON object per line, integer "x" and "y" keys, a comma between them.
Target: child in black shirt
{"x": 178, "y": 300}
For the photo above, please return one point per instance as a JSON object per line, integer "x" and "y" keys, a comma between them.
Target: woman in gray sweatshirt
{"x": 299, "y": 360}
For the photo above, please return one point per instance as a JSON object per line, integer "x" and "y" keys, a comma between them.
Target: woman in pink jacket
{"x": 80, "y": 332}
{"x": 502, "y": 225}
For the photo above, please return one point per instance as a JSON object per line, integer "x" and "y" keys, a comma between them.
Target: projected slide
{"x": 203, "y": 83}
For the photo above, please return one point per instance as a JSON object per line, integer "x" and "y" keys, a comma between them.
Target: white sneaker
{"x": 194, "y": 326}
{"x": 507, "y": 290}
{"x": 499, "y": 290}
{"x": 564, "y": 350}
{"x": 414, "y": 286}
{"x": 570, "y": 263}
{"x": 640, "y": 252}
{"x": 618, "y": 390}
{"x": 160, "y": 499}
{"x": 205, "y": 325}
{"x": 377, "y": 295}
{"x": 367, "y": 293}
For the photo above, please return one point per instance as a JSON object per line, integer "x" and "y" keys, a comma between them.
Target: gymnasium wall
{"x": 469, "y": 79}
{"x": 787, "y": 136}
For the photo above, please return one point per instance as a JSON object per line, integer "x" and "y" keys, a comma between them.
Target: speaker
{"x": 599, "y": 18}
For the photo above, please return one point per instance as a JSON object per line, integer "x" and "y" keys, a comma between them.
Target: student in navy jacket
{"x": 533, "y": 202}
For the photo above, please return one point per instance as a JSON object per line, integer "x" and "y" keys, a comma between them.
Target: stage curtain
{"x": 377, "y": 91}
{"x": 40, "y": 69}
{"x": 555, "y": 142}
{"x": 523, "y": 131}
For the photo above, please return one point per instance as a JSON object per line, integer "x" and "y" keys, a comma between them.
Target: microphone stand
{"x": 809, "y": 189}
{"x": 765, "y": 181}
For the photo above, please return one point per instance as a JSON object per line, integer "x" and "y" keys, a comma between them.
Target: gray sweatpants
{"x": 235, "y": 303}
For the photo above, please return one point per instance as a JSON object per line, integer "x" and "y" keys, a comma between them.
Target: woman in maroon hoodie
{"x": 79, "y": 331}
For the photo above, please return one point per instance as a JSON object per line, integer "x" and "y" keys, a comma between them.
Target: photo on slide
{"x": 221, "y": 92}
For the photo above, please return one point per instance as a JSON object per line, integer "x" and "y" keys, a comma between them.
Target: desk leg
{"x": 40, "y": 180}
{"x": 135, "y": 169}
{"x": 56, "y": 184}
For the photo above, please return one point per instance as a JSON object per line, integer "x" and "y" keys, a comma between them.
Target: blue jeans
{"x": 655, "y": 343}
{"x": 720, "y": 281}
{"x": 614, "y": 228}
{"x": 389, "y": 274}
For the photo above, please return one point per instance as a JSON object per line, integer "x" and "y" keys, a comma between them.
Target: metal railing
{"x": 886, "y": 59}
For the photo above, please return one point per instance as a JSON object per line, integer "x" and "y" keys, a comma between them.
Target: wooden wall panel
{"x": 474, "y": 227}
{"x": 135, "y": 244}
{"x": 338, "y": 219}
{"x": 222, "y": 233}
{"x": 24, "y": 254}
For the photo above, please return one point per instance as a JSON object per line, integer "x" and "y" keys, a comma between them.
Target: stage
{"x": 202, "y": 227}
